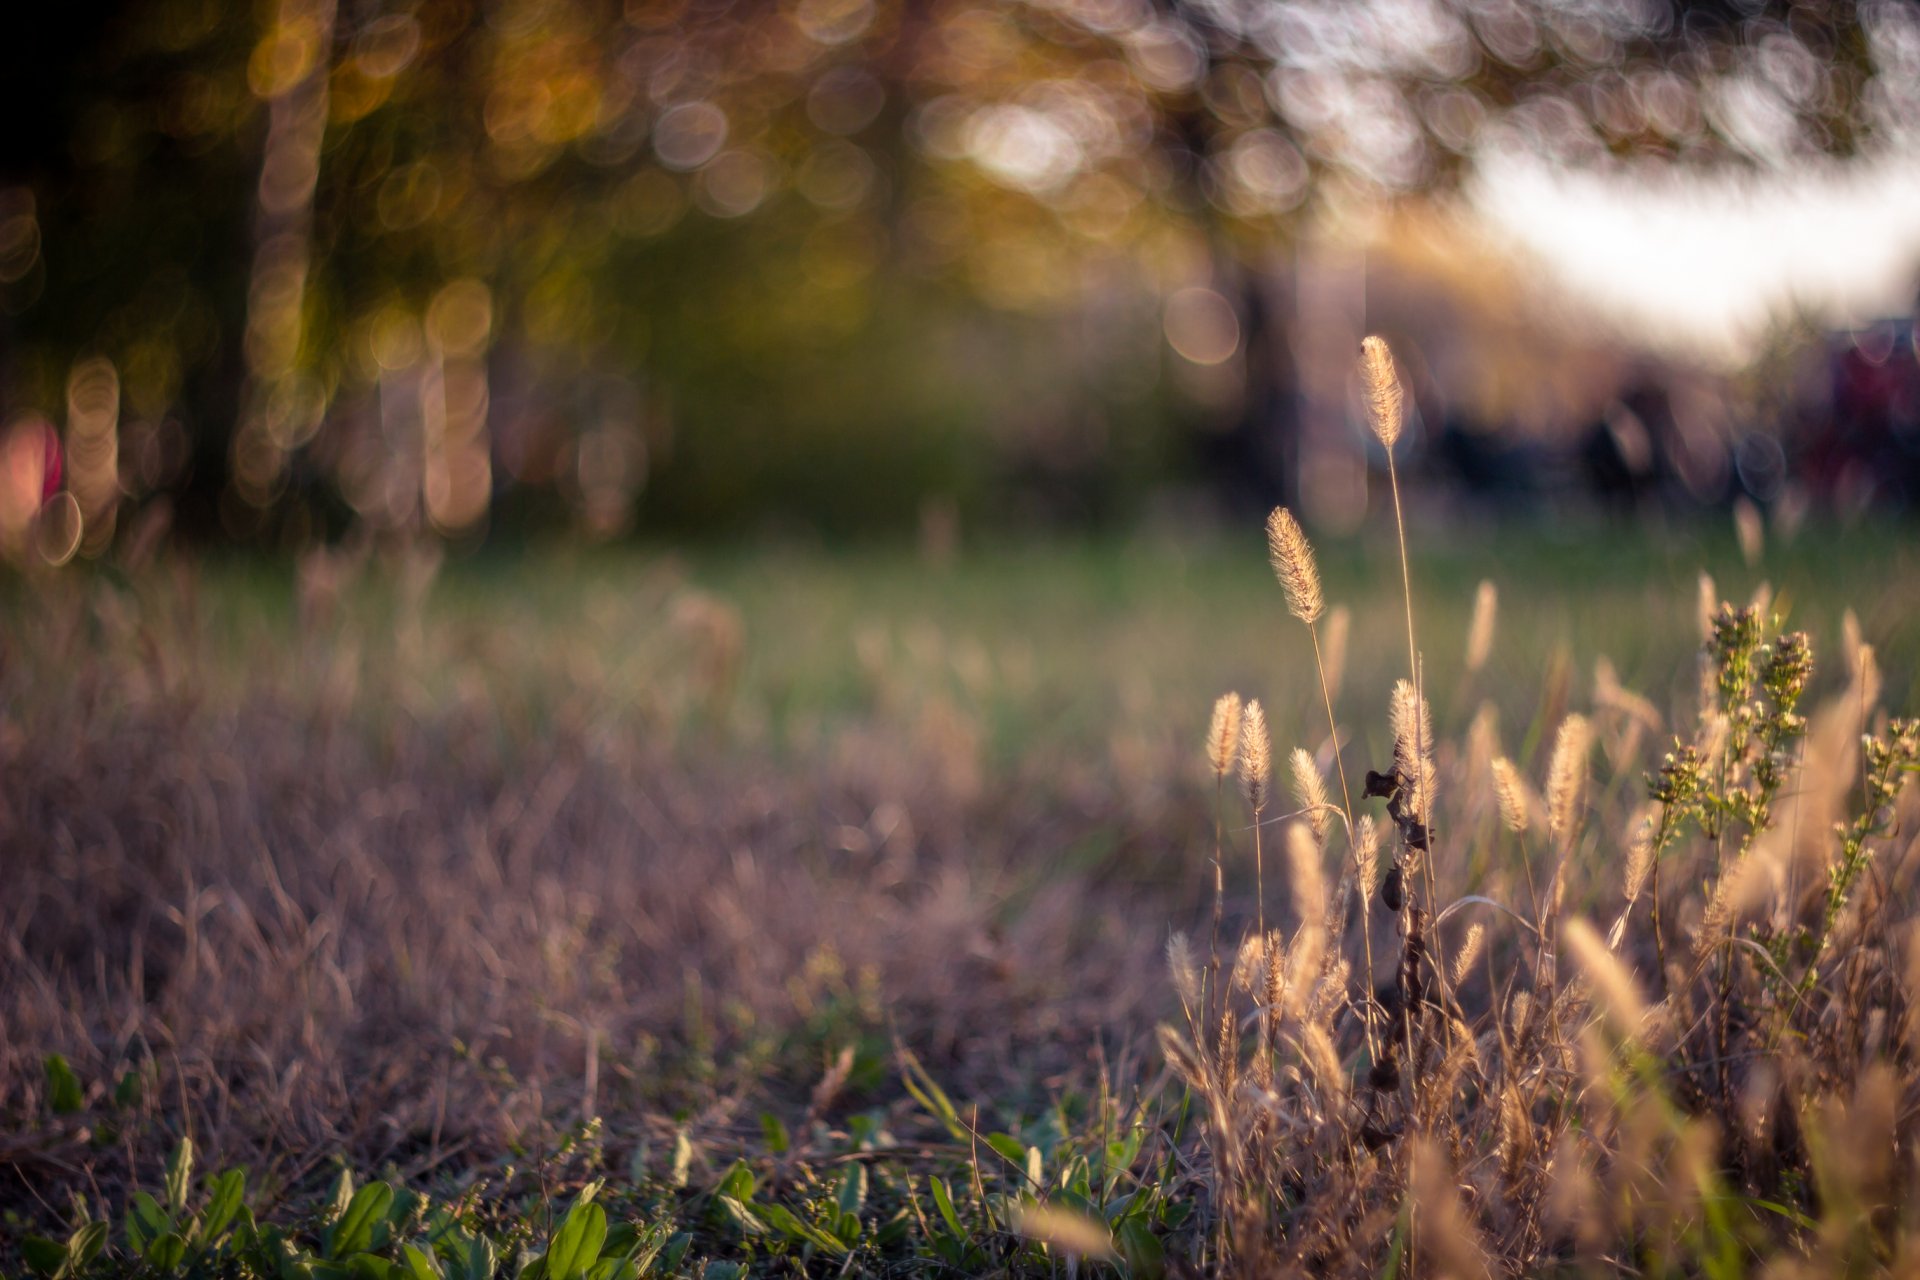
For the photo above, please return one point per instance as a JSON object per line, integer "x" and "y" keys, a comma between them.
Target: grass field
{"x": 820, "y": 904}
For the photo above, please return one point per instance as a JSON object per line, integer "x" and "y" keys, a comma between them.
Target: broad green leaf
{"x": 738, "y": 1182}
{"x": 775, "y": 1133}
{"x": 342, "y": 1196}
{"x": 943, "y": 1200}
{"x": 353, "y": 1233}
{"x": 682, "y": 1158}
{"x": 180, "y": 1175}
{"x": 1146, "y": 1256}
{"x": 931, "y": 1096}
{"x": 64, "y": 1094}
{"x": 789, "y": 1225}
{"x": 367, "y": 1266}
{"x": 166, "y": 1253}
{"x": 481, "y": 1259}
{"x": 223, "y": 1202}
{"x": 43, "y": 1256}
{"x": 576, "y": 1246}
{"x": 676, "y": 1250}
{"x": 852, "y": 1198}
{"x": 1010, "y": 1147}
{"x": 146, "y": 1222}
{"x": 84, "y": 1245}
{"x": 421, "y": 1265}
{"x": 740, "y": 1216}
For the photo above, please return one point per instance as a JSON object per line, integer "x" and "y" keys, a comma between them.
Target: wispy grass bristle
{"x": 1185, "y": 973}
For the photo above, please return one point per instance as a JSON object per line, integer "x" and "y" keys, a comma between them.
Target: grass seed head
{"x": 1366, "y": 854}
{"x": 1256, "y": 756}
{"x": 1333, "y": 647}
{"x": 1223, "y": 734}
{"x": 1614, "y": 986}
{"x": 1309, "y": 884}
{"x": 1486, "y": 606}
{"x": 1640, "y": 854}
{"x": 1412, "y": 724}
{"x": 1186, "y": 975}
{"x": 1292, "y": 557}
{"x": 1468, "y": 953}
{"x": 1310, "y": 789}
{"x": 1385, "y": 401}
{"x": 1567, "y": 773}
{"x": 1511, "y": 790}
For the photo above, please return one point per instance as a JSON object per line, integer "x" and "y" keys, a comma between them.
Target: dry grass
{"x": 326, "y": 916}
{"x": 1725, "y": 1078}
{"x": 422, "y": 884}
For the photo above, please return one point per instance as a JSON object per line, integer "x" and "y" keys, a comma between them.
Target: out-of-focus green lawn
{"x": 1054, "y": 648}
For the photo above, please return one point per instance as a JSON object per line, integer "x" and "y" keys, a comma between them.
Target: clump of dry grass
{"x": 1558, "y": 1097}
{"x": 311, "y": 912}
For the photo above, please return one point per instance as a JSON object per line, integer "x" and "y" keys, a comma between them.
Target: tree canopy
{"x": 327, "y": 259}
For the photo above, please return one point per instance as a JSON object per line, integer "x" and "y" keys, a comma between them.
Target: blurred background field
{"x": 576, "y": 574}
{"x": 272, "y": 272}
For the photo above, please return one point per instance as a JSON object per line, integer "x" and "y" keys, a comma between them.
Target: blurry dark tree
{"x": 714, "y": 262}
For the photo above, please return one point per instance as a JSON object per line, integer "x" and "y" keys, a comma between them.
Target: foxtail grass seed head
{"x": 1706, "y": 606}
{"x": 1223, "y": 734}
{"x": 1309, "y": 882}
{"x": 1074, "y": 1234}
{"x": 1486, "y": 605}
{"x": 1324, "y": 1059}
{"x": 1469, "y": 952}
{"x": 1517, "y": 1011}
{"x": 1412, "y": 724}
{"x": 1304, "y": 959}
{"x": 1511, "y": 790}
{"x": 1250, "y": 962}
{"x": 1333, "y": 647}
{"x": 1567, "y": 774}
{"x": 1292, "y": 557}
{"x": 1310, "y": 789}
{"x": 1366, "y": 853}
{"x": 1385, "y": 401}
{"x": 1256, "y": 756}
{"x": 1612, "y": 983}
{"x": 1274, "y": 989}
{"x": 1186, "y": 974}
{"x": 1640, "y": 855}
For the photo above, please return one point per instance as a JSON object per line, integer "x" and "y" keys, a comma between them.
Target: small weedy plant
{"x": 1445, "y": 1067}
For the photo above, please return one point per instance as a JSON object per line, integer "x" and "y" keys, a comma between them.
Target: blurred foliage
{"x": 721, "y": 262}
